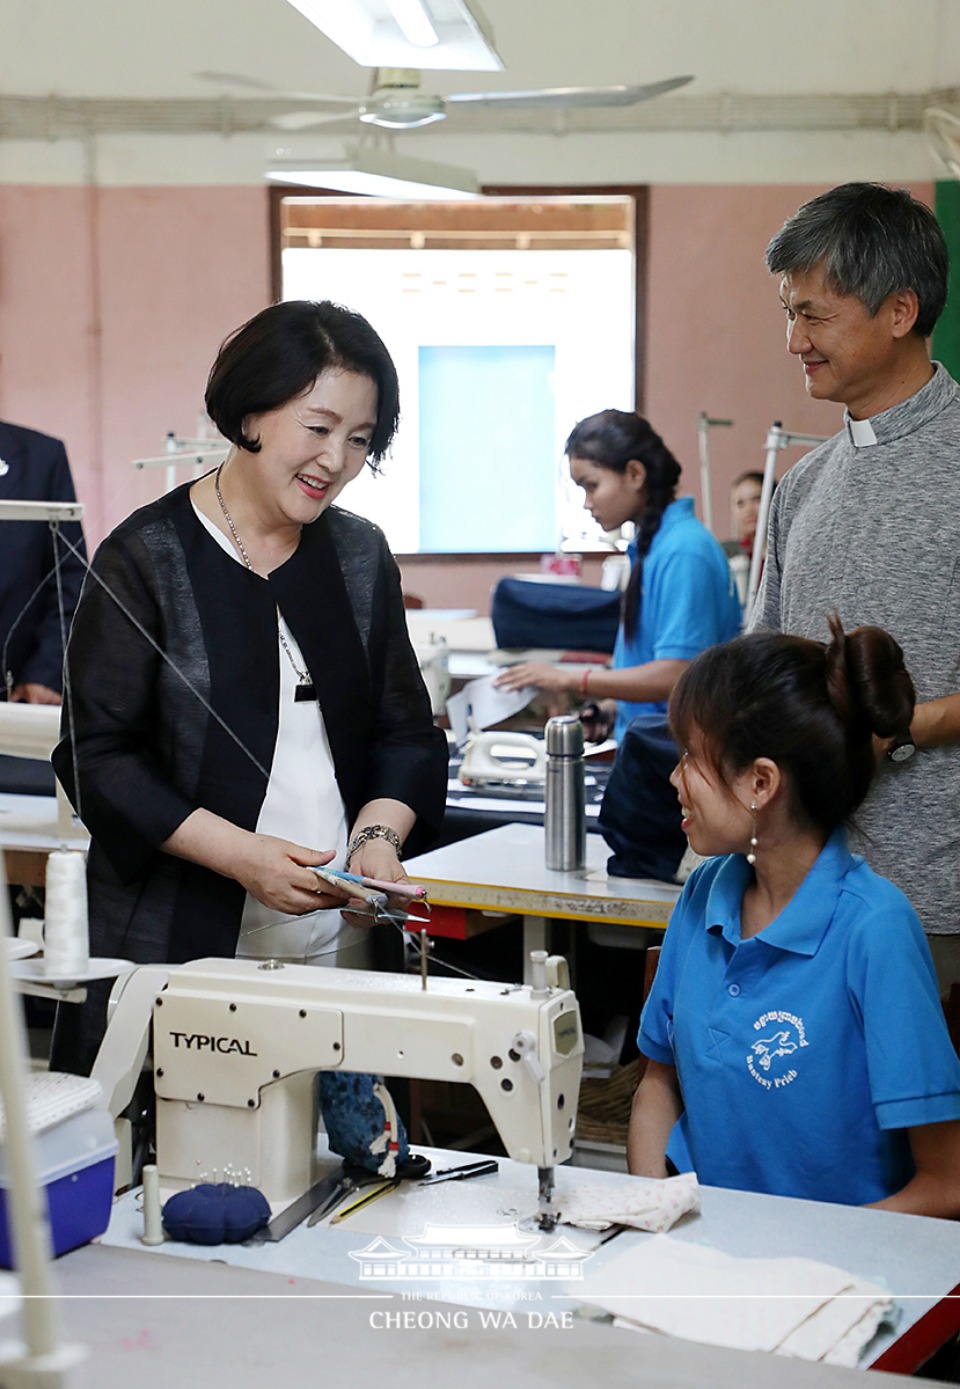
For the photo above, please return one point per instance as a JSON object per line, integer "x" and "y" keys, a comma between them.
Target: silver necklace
{"x": 305, "y": 688}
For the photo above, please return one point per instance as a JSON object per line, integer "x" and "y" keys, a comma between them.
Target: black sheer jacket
{"x": 146, "y": 752}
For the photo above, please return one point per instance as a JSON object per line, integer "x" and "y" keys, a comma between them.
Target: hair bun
{"x": 868, "y": 683}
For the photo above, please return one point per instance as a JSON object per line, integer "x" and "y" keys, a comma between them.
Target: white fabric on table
{"x": 796, "y": 1307}
{"x": 642, "y": 1203}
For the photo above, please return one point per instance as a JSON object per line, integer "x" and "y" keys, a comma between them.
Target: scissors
{"x": 349, "y": 1178}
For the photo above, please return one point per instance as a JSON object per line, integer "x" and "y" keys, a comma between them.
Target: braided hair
{"x": 611, "y": 439}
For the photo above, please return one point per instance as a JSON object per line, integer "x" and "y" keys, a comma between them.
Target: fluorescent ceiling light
{"x": 379, "y": 174}
{"x": 414, "y": 22}
{"x": 372, "y": 33}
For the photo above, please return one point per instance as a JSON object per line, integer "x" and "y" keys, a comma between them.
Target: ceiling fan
{"x": 941, "y": 129}
{"x": 396, "y": 100}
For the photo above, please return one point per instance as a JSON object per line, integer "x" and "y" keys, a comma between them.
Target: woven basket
{"x": 603, "y": 1113}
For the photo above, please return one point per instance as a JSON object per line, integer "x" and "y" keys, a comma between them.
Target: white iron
{"x": 494, "y": 758}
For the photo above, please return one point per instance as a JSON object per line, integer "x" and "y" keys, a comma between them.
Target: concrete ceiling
{"x": 725, "y": 124}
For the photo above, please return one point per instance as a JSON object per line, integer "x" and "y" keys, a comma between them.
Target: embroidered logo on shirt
{"x": 770, "y": 1058}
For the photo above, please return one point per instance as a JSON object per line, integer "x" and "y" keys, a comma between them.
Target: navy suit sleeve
{"x": 36, "y": 571}
{"x": 65, "y": 570}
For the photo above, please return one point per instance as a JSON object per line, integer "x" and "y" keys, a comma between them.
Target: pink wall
{"x": 47, "y": 377}
{"x": 112, "y": 305}
{"x": 114, "y": 301}
{"x": 715, "y": 330}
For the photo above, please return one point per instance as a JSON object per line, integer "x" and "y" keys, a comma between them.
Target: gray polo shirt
{"x": 868, "y": 526}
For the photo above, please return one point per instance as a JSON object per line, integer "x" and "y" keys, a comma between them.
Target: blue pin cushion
{"x": 215, "y": 1213}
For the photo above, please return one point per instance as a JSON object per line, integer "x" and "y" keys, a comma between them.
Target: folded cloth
{"x": 837, "y": 1333}
{"x": 796, "y": 1307}
{"x": 640, "y": 1202}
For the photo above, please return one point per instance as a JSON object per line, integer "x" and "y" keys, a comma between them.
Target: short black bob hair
{"x": 278, "y": 354}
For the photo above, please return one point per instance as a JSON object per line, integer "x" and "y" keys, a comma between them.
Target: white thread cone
{"x": 66, "y": 941}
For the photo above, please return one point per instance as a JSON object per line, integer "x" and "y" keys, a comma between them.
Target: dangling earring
{"x": 752, "y": 855}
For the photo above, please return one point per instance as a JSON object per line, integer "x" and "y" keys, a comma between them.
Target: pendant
{"x": 305, "y": 692}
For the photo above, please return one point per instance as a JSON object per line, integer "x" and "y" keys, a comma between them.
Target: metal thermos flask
{"x": 566, "y": 820}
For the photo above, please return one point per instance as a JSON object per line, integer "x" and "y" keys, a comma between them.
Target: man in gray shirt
{"x": 868, "y": 525}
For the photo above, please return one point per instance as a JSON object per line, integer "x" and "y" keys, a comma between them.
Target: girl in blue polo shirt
{"x": 794, "y": 1031}
{"x": 681, "y": 596}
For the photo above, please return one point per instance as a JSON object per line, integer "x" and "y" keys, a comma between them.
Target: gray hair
{"x": 872, "y": 242}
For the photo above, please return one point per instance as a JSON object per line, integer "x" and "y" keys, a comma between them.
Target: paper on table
{"x": 796, "y": 1306}
{"x": 483, "y": 705}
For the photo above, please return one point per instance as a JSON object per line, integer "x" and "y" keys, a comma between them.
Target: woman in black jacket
{"x": 244, "y": 702}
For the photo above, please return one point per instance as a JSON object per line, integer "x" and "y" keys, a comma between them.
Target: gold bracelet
{"x": 369, "y": 832}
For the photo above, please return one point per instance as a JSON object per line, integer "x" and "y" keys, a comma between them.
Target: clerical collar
{"x": 861, "y": 433}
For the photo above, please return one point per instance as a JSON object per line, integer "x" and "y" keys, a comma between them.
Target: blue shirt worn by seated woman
{"x": 688, "y": 602}
{"x": 806, "y": 1051}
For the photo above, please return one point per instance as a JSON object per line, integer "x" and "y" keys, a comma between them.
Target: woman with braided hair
{"x": 681, "y": 597}
{"x": 796, "y": 1041}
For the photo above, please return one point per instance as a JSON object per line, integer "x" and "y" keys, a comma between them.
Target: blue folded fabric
{"x": 568, "y": 617}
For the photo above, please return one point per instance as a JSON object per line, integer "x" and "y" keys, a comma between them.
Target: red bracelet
{"x": 583, "y": 681}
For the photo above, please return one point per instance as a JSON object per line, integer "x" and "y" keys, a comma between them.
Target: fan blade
{"x": 569, "y": 96}
{"x": 942, "y": 131}
{"x": 310, "y": 120}
{"x": 237, "y": 79}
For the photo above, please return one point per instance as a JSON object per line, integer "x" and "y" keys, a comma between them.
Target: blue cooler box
{"x": 74, "y": 1164}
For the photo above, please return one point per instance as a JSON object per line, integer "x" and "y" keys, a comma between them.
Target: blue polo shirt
{"x": 688, "y": 602}
{"x": 806, "y": 1051}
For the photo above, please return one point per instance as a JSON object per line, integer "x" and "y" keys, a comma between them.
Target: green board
{"x": 946, "y": 335}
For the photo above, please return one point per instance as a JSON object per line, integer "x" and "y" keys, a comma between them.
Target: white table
{"x": 29, "y": 831}
{"x": 157, "y": 1322}
{"x": 918, "y": 1259}
{"x": 504, "y": 870}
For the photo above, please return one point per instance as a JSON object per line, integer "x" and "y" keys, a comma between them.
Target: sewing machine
{"x": 236, "y": 1044}
{"x": 33, "y": 730}
{"x": 433, "y": 659}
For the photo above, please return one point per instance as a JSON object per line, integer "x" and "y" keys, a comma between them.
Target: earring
{"x": 752, "y": 855}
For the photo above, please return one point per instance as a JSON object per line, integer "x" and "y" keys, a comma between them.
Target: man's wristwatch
{"x": 369, "y": 832}
{"x": 901, "y": 750}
